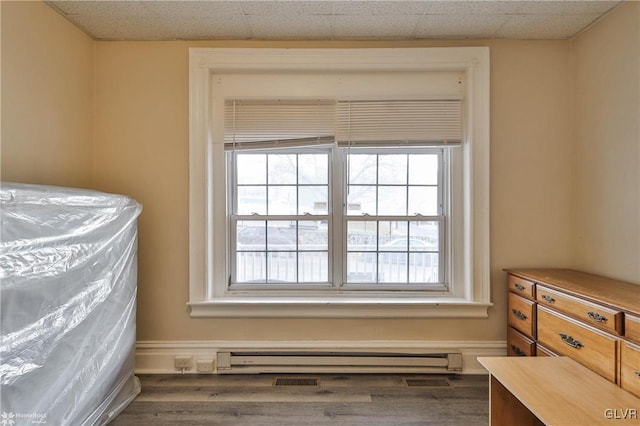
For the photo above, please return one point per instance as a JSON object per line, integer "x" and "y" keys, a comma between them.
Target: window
{"x": 281, "y": 219}
{"x": 339, "y": 182}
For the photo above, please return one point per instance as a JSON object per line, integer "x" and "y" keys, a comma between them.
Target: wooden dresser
{"x": 591, "y": 319}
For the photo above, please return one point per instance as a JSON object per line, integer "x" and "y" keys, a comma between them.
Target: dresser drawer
{"x": 518, "y": 344}
{"x": 589, "y": 346}
{"x": 522, "y": 314}
{"x": 521, "y": 286}
{"x": 542, "y": 351}
{"x": 600, "y": 316}
{"x": 630, "y": 368}
{"x": 632, "y": 327}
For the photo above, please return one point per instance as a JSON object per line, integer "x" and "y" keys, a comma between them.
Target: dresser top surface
{"x": 560, "y": 391}
{"x": 613, "y": 292}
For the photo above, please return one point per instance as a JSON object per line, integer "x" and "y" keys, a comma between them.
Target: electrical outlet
{"x": 183, "y": 362}
{"x": 204, "y": 365}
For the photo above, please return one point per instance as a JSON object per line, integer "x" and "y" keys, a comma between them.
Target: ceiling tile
{"x": 134, "y": 27}
{"x": 374, "y": 26}
{"x": 203, "y": 27}
{"x": 101, "y": 8}
{"x": 544, "y": 26}
{"x": 458, "y": 26}
{"x": 194, "y": 8}
{"x": 266, "y": 27}
{"x": 286, "y": 8}
{"x": 565, "y": 7}
{"x": 471, "y": 7}
{"x": 378, "y": 7}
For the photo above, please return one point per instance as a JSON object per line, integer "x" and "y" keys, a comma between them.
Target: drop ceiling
{"x": 332, "y": 20}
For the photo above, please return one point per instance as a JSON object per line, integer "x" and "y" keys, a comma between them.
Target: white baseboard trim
{"x": 157, "y": 357}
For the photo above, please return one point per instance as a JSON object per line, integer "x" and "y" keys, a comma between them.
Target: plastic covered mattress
{"x": 68, "y": 280}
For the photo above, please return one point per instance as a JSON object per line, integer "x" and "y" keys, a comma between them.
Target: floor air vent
{"x": 434, "y": 383}
{"x": 287, "y": 381}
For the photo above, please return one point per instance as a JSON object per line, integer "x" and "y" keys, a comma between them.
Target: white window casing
{"x": 456, "y": 78}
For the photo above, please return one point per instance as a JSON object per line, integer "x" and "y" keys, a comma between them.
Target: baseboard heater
{"x": 237, "y": 362}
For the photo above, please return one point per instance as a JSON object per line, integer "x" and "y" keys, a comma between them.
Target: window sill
{"x": 338, "y": 308}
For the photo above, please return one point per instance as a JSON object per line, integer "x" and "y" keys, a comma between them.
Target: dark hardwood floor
{"x": 333, "y": 400}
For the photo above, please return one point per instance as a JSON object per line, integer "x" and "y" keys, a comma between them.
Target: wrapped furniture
{"x": 68, "y": 281}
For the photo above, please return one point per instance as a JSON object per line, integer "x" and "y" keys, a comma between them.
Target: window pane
{"x": 392, "y": 200}
{"x": 423, "y": 200}
{"x": 281, "y": 235}
{"x": 423, "y": 169}
{"x": 361, "y": 168}
{"x": 251, "y": 235}
{"x": 251, "y": 267}
{"x": 392, "y": 169}
{"x": 393, "y": 236}
{"x": 312, "y": 236}
{"x": 282, "y": 200}
{"x": 281, "y": 267}
{"x": 361, "y": 236}
{"x": 252, "y": 199}
{"x": 313, "y": 199}
{"x": 361, "y": 267}
{"x": 361, "y": 200}
{"x": 252, "y": 169}
{"x": 313, "y": 168}
{"x": 423, "y": 268}
{"x": 425, "y": 236}
{"x": 282, "y": 169}
{"x": 313, "y": 267}
{"x": 392, "y": 267}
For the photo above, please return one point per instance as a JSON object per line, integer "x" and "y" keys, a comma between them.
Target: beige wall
{"x": 135, "y": 126}
{"x": 47, "y": 97}
{"x": 142, "y": 149}
{"x": 606, "y": 160}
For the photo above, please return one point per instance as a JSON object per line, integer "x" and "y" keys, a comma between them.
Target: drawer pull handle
{"x": 520, "y": 352}
{"x": 548, "y": 298}
{"x": 519, "y": 314}
{"x": 596, "y": 316}
{"x": 520, "y": 287}
{"x": 571, "y": 341}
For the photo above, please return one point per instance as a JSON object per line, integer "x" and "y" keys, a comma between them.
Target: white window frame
{"x": 208, "y": 255}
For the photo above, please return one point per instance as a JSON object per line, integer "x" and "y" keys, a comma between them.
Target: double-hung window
{"x": 349, "y": 193}
{"x": 339, "y": 195}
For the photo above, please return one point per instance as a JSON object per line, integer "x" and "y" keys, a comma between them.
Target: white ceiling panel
{"x": 203, "y": 28}
{"x": 562, "y": 7}
{"x": 294, "y": 27}
{"x": 544, "y": 26}
{"x": 455, "y": 8}
{"x": 447, "y": 26}
{"x": 374, "y": 26}
{"x": 286, "y": 8}
{"x": 332, "y": 19}
{"x": 379, "y": 7}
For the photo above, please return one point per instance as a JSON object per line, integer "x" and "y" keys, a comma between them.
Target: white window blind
{"x": 397, "y": 122}
{"x": 257, "y": 124}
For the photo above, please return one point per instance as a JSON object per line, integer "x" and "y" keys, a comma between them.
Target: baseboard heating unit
{"x": 237, "y": 362}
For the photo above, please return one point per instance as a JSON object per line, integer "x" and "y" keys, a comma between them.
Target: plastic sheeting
{"x": 68, "y": 281}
